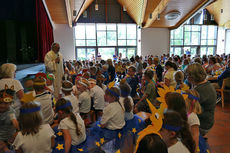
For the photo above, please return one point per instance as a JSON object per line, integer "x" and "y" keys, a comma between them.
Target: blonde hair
{"x": 30, "y": 122}
{"x": 192, "y": 104}
{"x": 7, "y": 70}
{"x": 179, "y": 76}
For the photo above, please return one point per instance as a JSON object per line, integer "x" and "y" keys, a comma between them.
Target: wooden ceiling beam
{"x": 69, "y": 12}
{"x": 160, "y": 7}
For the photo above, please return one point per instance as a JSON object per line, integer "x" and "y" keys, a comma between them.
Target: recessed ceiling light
{"x": 172, "y": 15}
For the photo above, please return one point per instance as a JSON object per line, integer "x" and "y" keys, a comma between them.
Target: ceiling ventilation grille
{"x": 172, "y": 15}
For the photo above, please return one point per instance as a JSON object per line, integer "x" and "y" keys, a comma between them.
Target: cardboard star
{"x": 98, "y": 144}
{"x": 60, "y": 147}
{"x": 59, "y": 133}
{"x": 102, "y": 140}
{"x": 134, "y": 130}
{"x": 139, "y": 120}
{"x": 80, "y": 149}
{"x": 119, "y": 135}
{"x": 118, "y": 151}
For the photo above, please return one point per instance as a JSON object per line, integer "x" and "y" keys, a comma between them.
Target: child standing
{"x": 193, "y": 108}
{"x": 8, "y": 121}
{"x": 49, "y": 82}
{"x": 132, "y": 80}
{"x": 113, "y": 113}
{"x": 175, "y": 133}
{"x": 34, "y": 136}
{"x": 67, "y": 88}
{"x": 71, "y": 124}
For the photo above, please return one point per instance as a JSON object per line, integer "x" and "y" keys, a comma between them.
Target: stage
{"x": 25, "y": 70}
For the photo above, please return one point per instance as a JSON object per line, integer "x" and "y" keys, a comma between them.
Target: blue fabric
{"x": 223, "y": 75}
{"x": 106, "y": 75}
{"x": 203, "y": 146}
{"x": 96, "y": 134}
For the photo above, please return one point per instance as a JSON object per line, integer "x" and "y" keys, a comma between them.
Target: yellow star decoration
{"x": 80, "y": 149}
{"x": 98, "y": 144}
{"x": 111, "y": 84}
{"x": 139, "y": 120}
{"x": 134, "y": 130}
{"x": 102, "y": 140}
{"x": 119, "y": 135}
{"x": 118, "y": 151}
{"x": 162, "y": 93}
{"x": 98, "y": 125}
{"x": 27, "y": 98}
{"x": 60, "y": 146}
{"x": 156, "y": 120}
{"x": 59, "y": 133}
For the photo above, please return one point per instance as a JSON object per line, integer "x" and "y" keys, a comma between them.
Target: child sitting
{"x": 193, "y": 108}
{"x": 8, "y": 121}
{"x": 100, "y": 82}
{"x": 179, "y": 79}
{"x": 176, "y": 134}
{"x": 97, "y": 95}
{"x": 84, "y": 98}
{"x": 126, "y": 100}
{"x": 45, "y": 99}
{"x": 34, "y": 136}
{"x": 67, "y": 88}
{"x": 113, "y": 114}
{"x": 152, "y": 143}
{"x": 71, "y": 124}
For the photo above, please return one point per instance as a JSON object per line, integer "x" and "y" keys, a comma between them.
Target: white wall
{"x": 155, "y": 41}
{"x": 64, "y": 35}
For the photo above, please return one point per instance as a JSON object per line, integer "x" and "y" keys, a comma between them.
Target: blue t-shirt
{"x": 133, "y": 82}
{"x": 223, "y": 75}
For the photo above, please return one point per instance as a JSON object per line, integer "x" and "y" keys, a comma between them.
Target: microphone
{"x": 58, "y": 57}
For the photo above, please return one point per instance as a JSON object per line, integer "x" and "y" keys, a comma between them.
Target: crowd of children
{"x": 107, "y": 95}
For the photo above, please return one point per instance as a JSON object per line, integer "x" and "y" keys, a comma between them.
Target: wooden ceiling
{"x": 61, "y": 11}
{"x": 222, "y": 18}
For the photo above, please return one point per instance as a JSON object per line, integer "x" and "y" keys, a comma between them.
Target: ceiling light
{"x": 124, "y": 8}
{"x": 158, "y": 16}
{"x": 212, "y": 17}
{"x": 150, "y": 15}
{"x": 96, "y": 7}
{"x": 172, "y": 15}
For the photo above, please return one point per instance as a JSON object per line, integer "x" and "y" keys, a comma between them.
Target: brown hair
{"x": 193, "y": 104}
{"x": 68, "y": 110}
{"x": 125, "y": 92}
{"x": 115, "y": 90}
{"x": 196, "y": 72}
{"x": 179, "y": 77}
{"x": 67, "y": 84}
{"x": 39, "y": 87}
{"x": 30, "y": 123}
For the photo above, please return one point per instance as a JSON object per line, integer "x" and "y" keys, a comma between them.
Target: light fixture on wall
{"x": 212, "y": 17}
{"x": 96, "y": 6}
{"x": 124, "y": 9}
{"x": 85, "y": 14}
{"x": 74, "y": 13}
{"x": 158, "y": 16}
{"x": 221, "y": 10}
{"x": 150, "y": 15}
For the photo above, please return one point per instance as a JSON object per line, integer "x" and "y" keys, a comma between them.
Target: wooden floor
{"x": 219, "y": 135}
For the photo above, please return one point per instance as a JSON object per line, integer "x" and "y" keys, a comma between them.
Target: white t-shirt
{"x": 74, "y": 103}
{"x": 193, "y": 119}
{"x": 38, "y": 143}
{"x": 179, "y": 147}
{"x": 98, "y": 95}
{"x": 170, "y": 76}
{"x": 68, "y": 124}
{"x": 113, "y": 116}
{"x": 46, "y": 107}
{"x": 11, "y": 82}
{"x": 84, "y": 102}
{"x": 17, "y": 87}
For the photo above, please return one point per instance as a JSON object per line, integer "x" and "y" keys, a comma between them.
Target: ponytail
{"x": 74, "y": 119}
{"x": 127, "y": 104}
{"x": 186, "y": 137}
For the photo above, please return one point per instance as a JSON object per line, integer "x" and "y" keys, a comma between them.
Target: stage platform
{"x": 25, "y": 70}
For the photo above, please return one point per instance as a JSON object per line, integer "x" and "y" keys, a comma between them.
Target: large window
{"x": 194, "y": 39}
{"x": 106, "y": 40}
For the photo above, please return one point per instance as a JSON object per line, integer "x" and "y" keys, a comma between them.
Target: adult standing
{"x": 54, "y": 64}
{"x": 196, "y": 75}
